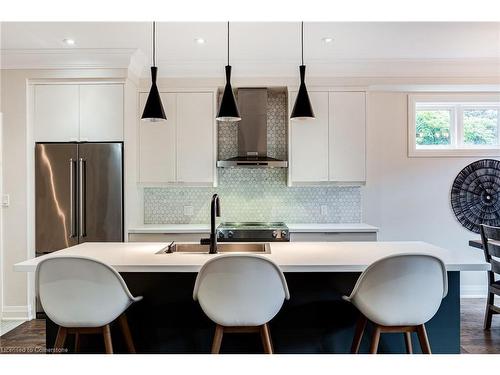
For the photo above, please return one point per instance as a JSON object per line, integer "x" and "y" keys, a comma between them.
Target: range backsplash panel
{"x": 255, "y": 194}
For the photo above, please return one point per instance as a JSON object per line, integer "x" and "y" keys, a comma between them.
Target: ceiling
{"x": 257, "y": 49}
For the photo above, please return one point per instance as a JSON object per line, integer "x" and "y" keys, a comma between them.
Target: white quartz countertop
{"x": 290, "y": 256}
{"x": 294, "y": 228}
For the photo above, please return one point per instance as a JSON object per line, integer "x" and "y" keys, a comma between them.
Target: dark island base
{"x": 314, "y": 320}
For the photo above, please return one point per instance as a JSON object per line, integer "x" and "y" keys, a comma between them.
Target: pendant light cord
{"x": 227, "y": 42}
{"x": 154, "y": 43}
{"x": 302, "y": 40}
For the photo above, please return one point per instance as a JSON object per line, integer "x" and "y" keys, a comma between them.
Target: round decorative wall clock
{"x": 475, "y": 194}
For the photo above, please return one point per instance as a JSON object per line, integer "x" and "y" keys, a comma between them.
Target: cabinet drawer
{"x": 332, "y": 236}
{"x": 166, "y": 237}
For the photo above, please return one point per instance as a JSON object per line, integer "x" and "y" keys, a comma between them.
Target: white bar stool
{"x": 83, "y": 295}
{"x": 241, "y": 293}
{"x": 399, "y": 293}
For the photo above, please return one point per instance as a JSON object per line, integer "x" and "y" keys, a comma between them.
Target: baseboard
{"x": 473, "y": 291}
{"x": 17, "y": 313}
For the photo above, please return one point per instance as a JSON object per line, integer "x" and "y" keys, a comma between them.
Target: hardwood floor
{"x": 30, "y": 336}
{"x": 474, "y": 339}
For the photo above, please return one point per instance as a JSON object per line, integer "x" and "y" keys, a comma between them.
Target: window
{"x": 454, "y": 125}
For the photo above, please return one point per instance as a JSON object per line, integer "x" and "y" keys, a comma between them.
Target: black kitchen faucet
{"x": 214, "y": 212}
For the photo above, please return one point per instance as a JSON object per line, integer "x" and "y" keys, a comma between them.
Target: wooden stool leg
{"x": 375, "y": 339}
{"x": 108, "y": 344}
{"x": 219, "y": 332}
{"x": 488, "y": 313}
{"x": 358, "y": 334}
{"x": 122, "y": 320}
{"x": 266, "y": 339}
{"x": 409, "y": 346}
{"x": 77, "y": 342}
{"x": 60, "y": 339}
{"x": 423, "y": 339}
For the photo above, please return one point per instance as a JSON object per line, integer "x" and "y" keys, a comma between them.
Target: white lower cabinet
{"x": 167, "y": 237}
{"x": 330, "y": 147}
{"x": 294, "y": 237}
{"x": 181, "y": 149}
{"x": 332, "y": 236}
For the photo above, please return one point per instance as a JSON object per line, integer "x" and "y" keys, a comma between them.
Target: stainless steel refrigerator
{"x": 79, "y": 194}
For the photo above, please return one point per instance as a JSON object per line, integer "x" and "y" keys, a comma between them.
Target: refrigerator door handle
{"x": 72, "y": 187}
{"x": 83, "y": 193}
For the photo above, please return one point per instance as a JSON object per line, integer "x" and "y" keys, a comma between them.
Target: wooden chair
{"x": 62, "y": 334}
{"x": 241, "y": 293}
{"x": 83, "y": 296}
{"x": 490, "y": 237}
{"x": 399, "y": 293}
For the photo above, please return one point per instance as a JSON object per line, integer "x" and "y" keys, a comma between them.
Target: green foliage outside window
{"x": 433, "y": 127}
{"x": 480, "y": 127}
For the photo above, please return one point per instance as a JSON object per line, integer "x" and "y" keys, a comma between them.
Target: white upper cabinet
{"x": 56, "y": 113}
{"x": 347, "y": 136}
{"x": 195, "y": 137}
{"x": 330, "y": 147}
{"x": 101, "y": 112}
{"x": 309, "y": 141}
{"x": 78, "y": 112}
{"x": 181, "y": 149}
{"x": 157, "y": 143}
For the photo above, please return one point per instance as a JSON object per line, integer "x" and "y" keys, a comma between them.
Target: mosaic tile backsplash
{"x": 255, "y": 194}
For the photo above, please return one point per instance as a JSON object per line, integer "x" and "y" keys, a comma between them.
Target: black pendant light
{"x": 302, "y": 109}
{"x": 153, "y": 110}
{"x": 228, "y": 110}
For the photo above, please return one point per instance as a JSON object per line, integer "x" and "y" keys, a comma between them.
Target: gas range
{"x": 252, "y": 232}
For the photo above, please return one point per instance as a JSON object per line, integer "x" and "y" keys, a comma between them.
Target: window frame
{"x": 456, "y": 103}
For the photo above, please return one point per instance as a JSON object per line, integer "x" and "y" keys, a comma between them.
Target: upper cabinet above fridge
{"x": 78, "y": 112}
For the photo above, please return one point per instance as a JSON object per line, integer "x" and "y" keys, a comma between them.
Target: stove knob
{"x": 220, "y": 235}
{"x": 275, "y": 234}
{"x": 283, "y": 233}
{"x": 230, "y": 234}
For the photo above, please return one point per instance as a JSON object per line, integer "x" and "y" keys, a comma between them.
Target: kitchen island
{"x": 314, "y": 320}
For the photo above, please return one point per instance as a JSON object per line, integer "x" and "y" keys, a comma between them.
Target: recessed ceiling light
{"x": 327, "y": 39}
{"x": 69, "y": 42}
{"x": 199, "y": 41}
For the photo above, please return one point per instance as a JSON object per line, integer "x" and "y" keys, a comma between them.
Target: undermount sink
{"x": 194, "y": 248}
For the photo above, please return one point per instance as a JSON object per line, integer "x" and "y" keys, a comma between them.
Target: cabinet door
{"x": 309, "y": 141}
{"x": 56, "y": 113}
{"x": 101, "y": 112}
{"x": 347, "y": 136}
{"x": 157, "y": 143}
{"x": 195, "y": 132}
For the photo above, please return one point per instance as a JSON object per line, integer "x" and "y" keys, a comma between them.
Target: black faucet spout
{"x": 214, "y": 212}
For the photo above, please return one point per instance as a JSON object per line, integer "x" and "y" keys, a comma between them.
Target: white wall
{"x": 409, "y": 198}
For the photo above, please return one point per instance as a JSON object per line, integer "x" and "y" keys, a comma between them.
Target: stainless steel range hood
{"x": 252, "y": 132}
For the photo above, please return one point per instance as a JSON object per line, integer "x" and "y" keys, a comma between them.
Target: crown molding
{"x": 486, "y": 67}
{"x": 136, "y": 62}
{"x": 65, "y": 58}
